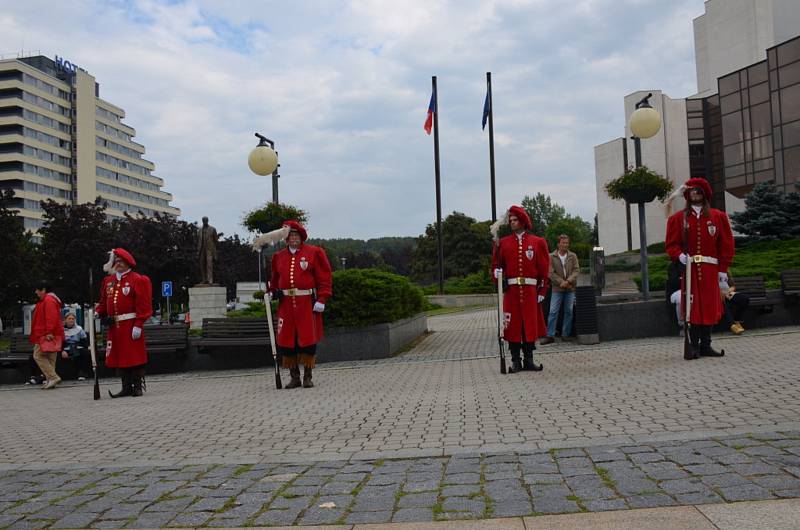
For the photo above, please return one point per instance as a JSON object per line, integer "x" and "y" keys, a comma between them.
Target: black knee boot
{"x": 126, "y": 376}
{"x": 516, "y": 364}
{"x": 694, "y": 341}
{"x": 705, "y": 343}
{"x": 137, "y": 381}
{"x": 527, "y": 362}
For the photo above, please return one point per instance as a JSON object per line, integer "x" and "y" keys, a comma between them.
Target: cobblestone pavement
{"x": 598, "y": 478}
{"x": 435, "y": 433}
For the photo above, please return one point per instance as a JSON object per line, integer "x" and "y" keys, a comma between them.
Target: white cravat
{"x": 121, "y": 274}
{"x": 697, "y": 210}
{"x": 294, "y": 250}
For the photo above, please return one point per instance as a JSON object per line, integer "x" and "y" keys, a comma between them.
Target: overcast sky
{"x": 343, "y": 89}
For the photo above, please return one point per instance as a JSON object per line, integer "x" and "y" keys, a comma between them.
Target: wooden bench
{"x": 790, "y": 284}
{"x": 222, "y": 332}
{"x": 162, "y": 339}
{"x": 18, "y": 354}
{"x": 753, "y": 287}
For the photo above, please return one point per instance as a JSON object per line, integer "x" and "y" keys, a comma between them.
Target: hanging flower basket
{"x": 639, "y": 185}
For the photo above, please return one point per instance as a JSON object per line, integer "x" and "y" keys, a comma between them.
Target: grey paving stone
{"x": 220, "y": 521}
{"x": 512, "y": 508}
{"x": 190, "y": 519}
{"x": 341, "y": 501}
{"x": 644, "y": 458}
{"x": 605, "y": 505}
{"x": 126, "y": 510}
{"x": 475, "y": 505}
{"x": 553, "y": 505}
{"x": 682, "y": 485}
{"x": 688, "y": 458}
{"x": 373, "y": 504}
{"x": 387, "y": 479}
{"x": 734, "y": 458}
{"x": 632, "y": 449}
{"x": 317, "y": 516}
{"x": 243, "y": 512}
{"x": 460, "y": 491}
{"x": 550, "y": 491}
{"x": 54, "y": 512}
{"x": 175, "y": 505}
{"x": 405, "y": 515}
{"x": 756, "y": 468}
{"x": 462, "y": 478}
{"x": 539, "y": 478}
{"x": 762, "y": 450}
{"x": 787, "y": 494}
{"x": 706, "y": 469}
{"x": 8, "y": 520}
{"x": 310, "y": 481}
{"x": 633, "y": 487}
{"x": 773, "y": 482}
{"x": 501, "y": 475}
{"x": 605, "y": 454}
{"x": 725, "y": 480}
{"x": 664, "y": 471}
{"x": 337, "y": 488}
{"x": 77, "y": 520}
{"x": 307, "y": 491}
{"x": 28, "y": 507}
{"x": 700, "y": 497}
{"x": 417, "y": 487}
{"x": 277, "y": 518}
{"x": 596, "y": 493}
{"x": 294, "y": 503}
{"x": 369, "y": 517}
{"x": 349, "y": 477}
{"x": 577, "y": 471}
{"x": 207, "y": 505}
{"x": 650, "y": 501}
{"x": 539, "y": 468}
{"x": 576, "y": 461}
{"x": 110, "y": 523}
{"x": 567, "y": 453}
{"x": 748, "y": 492}
{"x": 416, "y": 500}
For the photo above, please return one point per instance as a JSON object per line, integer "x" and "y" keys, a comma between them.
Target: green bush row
{"x": 361, "y": 297}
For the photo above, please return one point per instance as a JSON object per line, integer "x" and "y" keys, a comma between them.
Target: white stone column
{"x": 206, "y": 301}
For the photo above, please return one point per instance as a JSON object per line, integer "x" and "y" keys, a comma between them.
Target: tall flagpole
{"x": 491, "y": 142}
{"x": 438, "y": 185}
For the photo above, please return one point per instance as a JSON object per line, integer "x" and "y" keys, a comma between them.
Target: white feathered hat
{"x": 271, "y": 238}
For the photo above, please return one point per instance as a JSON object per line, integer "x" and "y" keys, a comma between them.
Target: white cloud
{"x": 343, "y": 88}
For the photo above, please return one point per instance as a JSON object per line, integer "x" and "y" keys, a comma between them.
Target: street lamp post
{"x": 344, "y": 263}
{"x": 263, "y": 160}
{"x": 645, "y": 122}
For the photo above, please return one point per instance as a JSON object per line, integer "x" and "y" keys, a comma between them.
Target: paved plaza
{"x": 436, "y": 433}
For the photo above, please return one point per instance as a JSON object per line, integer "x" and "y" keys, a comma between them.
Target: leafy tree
{"x": 75, "y": 240}
{"x": 769, "y": 214}
{"x": 578, "y": 230}
{"x": 467, "y": 248}
{"x": 271, "y": 217}
{"x": 543, "y": 212}
{"x": 18, "y": 266}
{"x": 236, "y": 262}
{"x": 165, "y": 248}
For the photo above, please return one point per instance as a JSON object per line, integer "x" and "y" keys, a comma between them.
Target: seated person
{"x": 76, "y": 347}
{"x": 672, "y": 289}
{"x": 735, "y": 305}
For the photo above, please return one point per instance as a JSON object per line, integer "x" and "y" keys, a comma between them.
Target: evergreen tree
{"x": 18, "y": 266}
{"x": 765, "y": 216}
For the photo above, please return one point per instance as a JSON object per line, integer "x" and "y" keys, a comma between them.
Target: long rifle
{"x": 688, "y": 353}
{"x": 500, "y": 322}
{"x": 90, "y": 329}
{"x": 268, "y": 307}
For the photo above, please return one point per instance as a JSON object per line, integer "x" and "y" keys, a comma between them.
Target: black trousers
{"x": 735, "y": 308}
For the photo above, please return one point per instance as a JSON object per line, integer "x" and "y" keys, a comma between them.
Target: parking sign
{"x": 166, "y": 288}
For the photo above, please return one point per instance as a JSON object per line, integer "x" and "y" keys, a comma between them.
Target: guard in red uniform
{"x": 126, "y": 301}
{"x": 302, "y": 282}
{"x": 701, "y": 235}
{"x": 525, "y": 262}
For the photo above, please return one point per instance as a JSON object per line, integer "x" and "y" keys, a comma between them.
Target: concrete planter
{"x": 373, "y": 342}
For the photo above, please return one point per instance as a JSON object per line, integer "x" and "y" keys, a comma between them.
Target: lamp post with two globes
{"x": 645, "y": 122}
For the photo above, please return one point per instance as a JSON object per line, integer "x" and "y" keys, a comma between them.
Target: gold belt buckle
{"x": 697, "y": 258}
{"x": 291, "y": 292}
{"x": 521, "y": 281}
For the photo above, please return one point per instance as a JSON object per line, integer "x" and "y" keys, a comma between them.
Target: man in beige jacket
{"x": 564, "y": 270}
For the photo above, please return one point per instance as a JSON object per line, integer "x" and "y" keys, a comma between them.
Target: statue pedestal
{"x": 206, "y": 301}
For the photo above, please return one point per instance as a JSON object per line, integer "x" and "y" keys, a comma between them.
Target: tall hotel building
{"x": 59, "y": 140}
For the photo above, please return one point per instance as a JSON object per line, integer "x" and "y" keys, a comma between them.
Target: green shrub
{"x": 475, "y": 283}
{"x": 258, "y": 295}
{"x": 641, "y": 180}
{"x": 363, "y": 297}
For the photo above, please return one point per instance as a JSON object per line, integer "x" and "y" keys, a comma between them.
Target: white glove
{"x": 683, "y": 258}
{"x": 540, "y": 298}
{"x": 497, "y": 273}
{"x": 723, "y": 287}
{"x": 136, "y": 333}
{"x": 722, "y": 277}
{"x": 319, "y": 307}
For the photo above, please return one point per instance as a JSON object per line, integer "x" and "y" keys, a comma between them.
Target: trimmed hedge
{"x": 361, "y": 297}
{"x": 364, "y": 297}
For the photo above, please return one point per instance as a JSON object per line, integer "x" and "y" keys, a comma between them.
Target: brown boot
{"x": 295, "y": 373}
{"x": 307, "y": 383}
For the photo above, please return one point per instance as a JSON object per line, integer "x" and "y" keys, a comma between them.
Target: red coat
{"x": 47, "y": 319}
{"x": 707, "y": 236}
{"x": 132, "y": 294}
{"x": 529, "y": 258}
{"x": 306, "y": 269}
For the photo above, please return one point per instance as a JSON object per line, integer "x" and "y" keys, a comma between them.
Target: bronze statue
{"x": 207, "y": 251}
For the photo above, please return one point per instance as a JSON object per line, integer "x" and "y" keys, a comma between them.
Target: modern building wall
{"x": 59, "y": 140}
{"x": 732, "y": 34}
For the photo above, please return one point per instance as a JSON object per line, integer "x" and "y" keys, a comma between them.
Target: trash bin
{"x": 597, "y": 272}
{"x": 586, "y": 321}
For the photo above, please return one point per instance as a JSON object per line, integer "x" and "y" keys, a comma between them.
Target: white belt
{"x": 298, "y": 292}
{"x": 522, "y": 281}
{"x": 126, "y": 316}
{"x": 697, "y": 258}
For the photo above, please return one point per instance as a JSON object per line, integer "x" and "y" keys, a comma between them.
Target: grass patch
{"x": 649, "y": 492}
{"x": 289, "y": 495}
{"x": 604, "y": 476}
{"x": 738, "y": 447}
{"x": 357, "y": 489}
{"x": 437, "y": 509}
{"x": 579, "y": 501}
{"x": 227, "y": 506}
{"x": 5, "y": 344}
{"x": 379, "y": 462}
{"x": 488, "y": 511}
{"x": 244, "y": 468}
